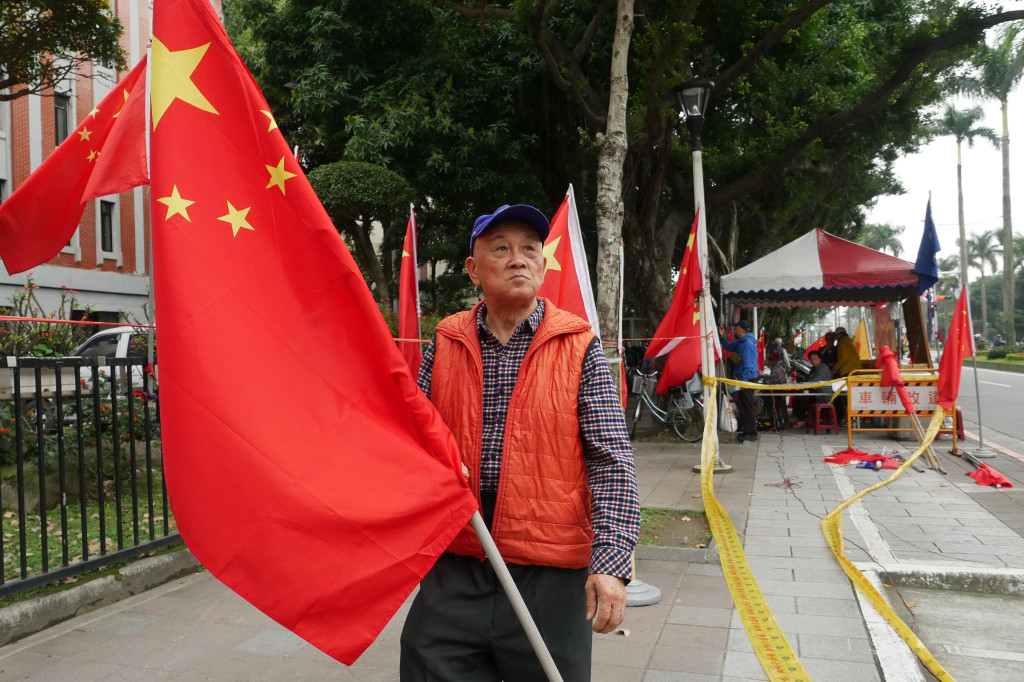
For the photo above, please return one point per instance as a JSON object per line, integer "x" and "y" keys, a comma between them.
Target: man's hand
{"x": 606, "y": 599}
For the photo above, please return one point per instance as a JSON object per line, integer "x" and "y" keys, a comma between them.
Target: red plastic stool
{"x": 822, "y": 418}
{"x": 959, "y": 427}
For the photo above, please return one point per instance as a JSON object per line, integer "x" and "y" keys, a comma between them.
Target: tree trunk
{"x": 960, "y": 214}
{"x": 366, "y": 257}
{"x": 611, "y": 153}
{"x": 1008, "y": 303}
{"x": 984, "y": 304}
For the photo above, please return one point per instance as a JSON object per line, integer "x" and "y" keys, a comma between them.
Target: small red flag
{"x": 891, "y": 377}
{"x": 409, "y": 300}
{"x": 106, "y": 154}
{"x": 679, "y": 331}
{"x": 567, "y": 278}
{"x": 959, "y": 345}
{"x": 817, "y": 345}
{"x": 760, "y": 351}
{"x": 304, "y": 467}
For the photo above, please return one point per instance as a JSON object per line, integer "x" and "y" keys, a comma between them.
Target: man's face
{"x": 508, "y": 263}
{"x": 739, "y": 331}
{"x": 815, "y": 359}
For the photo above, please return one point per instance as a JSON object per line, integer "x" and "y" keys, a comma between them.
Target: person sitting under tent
{"x": 820, "y": 372}
{"x": 775, "y": 403}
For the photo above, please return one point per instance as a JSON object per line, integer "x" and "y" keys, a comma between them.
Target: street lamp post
{"x": 693, "y": 97}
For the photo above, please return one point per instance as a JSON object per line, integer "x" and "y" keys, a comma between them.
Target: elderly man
{"x": 527, "y": 392}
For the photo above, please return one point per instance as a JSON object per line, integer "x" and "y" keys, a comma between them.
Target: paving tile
{"x": 687, "y": 659}
{"x": 699, "y": 615}
{"x": 813, "y": 645}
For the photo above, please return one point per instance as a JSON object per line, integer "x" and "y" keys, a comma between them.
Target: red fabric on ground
{"x": 986, "y": 475}
{"x": 853, "y": 455}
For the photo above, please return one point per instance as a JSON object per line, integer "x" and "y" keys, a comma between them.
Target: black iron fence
{"x": 81, "y": 475}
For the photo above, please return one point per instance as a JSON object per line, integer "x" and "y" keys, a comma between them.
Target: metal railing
{"x": 81, "y": 476}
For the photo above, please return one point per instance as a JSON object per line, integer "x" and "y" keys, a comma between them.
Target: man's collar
{"x": 534, "y": 320}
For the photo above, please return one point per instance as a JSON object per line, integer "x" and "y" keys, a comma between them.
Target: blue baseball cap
{"x": 520, "y": 212}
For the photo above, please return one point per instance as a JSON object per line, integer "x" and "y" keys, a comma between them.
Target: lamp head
{"x": 693, "y": 98}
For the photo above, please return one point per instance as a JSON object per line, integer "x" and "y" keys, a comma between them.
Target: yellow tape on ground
{"x": 832, "y": 526}
{"x": 766, "y": 637}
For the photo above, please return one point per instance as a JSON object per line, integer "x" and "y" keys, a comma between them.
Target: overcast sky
{"x": 933, "y": 169}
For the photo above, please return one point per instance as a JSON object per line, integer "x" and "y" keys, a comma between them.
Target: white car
{"x": 118, "y": 342}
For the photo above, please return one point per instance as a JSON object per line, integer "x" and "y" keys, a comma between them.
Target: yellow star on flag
{"x": 237, "y": 218}
{"x": 95, "y": 110}
{"x": 92, "y": 155}
{"x": 122, "y": 104}
{"x": 172, "y": 79}
{"x": 84, "y": 134}
{"x": 273, "y": 123}
{"x": 549, "y": 253}
{"x": 278, "y": 175}
{"x": 176, "y": 205}
{"x": 405, "y": 254}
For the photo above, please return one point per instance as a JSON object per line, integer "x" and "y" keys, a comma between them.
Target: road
{"x": 1002, "y": 405}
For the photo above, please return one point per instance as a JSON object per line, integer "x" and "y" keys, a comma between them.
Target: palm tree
{"x": 983, "y": 250}
{"x": 1001, "y": 68}
{"x": 882, "y": 237}
{"x": 961, "y": 125}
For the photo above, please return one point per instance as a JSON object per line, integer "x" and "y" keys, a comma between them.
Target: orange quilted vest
{"x": 542, "y": 514}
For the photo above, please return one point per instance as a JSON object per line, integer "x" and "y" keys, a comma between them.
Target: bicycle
{"x": 685, "y": 411}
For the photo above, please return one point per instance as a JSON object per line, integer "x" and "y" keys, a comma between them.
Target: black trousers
{"x": 462, "y": 626}
{"x": 747, "y": 417}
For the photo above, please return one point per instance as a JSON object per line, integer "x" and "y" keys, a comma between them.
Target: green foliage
{"x": 41, "y": 339}
{"x": 482, "y": 104}
{"x": 352, "y": 190}
{"x": 43, "y": 42}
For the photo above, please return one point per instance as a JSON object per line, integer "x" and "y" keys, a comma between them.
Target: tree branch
{"x": 745, "y": 65}
{"x": 773, "y": 172}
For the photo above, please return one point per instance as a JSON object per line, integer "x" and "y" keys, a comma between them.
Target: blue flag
{"x": 926, "y": 266}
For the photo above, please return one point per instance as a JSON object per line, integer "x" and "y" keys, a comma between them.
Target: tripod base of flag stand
{"x": 719, "y": 468}
{"x": 639, "y": 593}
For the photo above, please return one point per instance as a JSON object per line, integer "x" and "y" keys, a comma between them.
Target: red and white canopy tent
{"x": 822, "y": 270}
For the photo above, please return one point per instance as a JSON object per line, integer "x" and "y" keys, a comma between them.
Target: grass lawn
{"x": 55, "y": 539}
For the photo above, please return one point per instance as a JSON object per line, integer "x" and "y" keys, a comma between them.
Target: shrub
{"x": 41, "y": 339}
{"x": 1000, "y": 352}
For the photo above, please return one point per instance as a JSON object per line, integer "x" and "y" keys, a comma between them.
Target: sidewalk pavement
{"x": 925, "y": 529}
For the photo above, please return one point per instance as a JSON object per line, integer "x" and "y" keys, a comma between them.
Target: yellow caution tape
{"x": 832, "y": 526}
{"x": 766, "y": 637}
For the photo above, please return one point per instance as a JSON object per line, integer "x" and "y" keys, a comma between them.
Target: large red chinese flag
{"x": 959, "y": 346}
{"x": 106, "y": 154}
{"x": 409, "y": 300}
{"x": 305, "y": 469}
{"x": 679, "y": 331}
{"x": 567, "y": 278}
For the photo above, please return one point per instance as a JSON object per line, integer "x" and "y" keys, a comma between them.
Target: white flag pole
{"x": 518, "y": 605}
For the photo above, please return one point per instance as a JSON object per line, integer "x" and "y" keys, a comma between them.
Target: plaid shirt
{"x": 615, "y": 508}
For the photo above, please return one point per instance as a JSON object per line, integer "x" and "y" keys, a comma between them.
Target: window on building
{"x": 107, "y": 226}
{"x": 61, "y": 115}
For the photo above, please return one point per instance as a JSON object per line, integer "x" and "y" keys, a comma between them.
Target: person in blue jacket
{"x": 745, "y": 346}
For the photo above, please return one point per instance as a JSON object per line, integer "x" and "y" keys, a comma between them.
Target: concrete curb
{"x": 33, "y": 615}
{"x": 690, "y": 555}
{"x": 1005, "y": 366}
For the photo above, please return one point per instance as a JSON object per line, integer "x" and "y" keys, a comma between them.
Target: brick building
{"x": 107, "y": 260}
